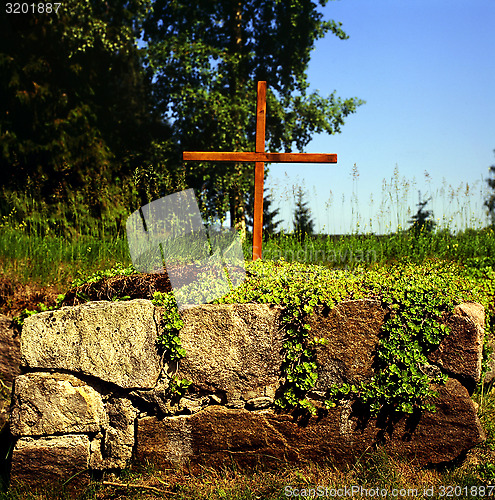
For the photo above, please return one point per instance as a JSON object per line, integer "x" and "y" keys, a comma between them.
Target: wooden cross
{"x": 259, "y": 157}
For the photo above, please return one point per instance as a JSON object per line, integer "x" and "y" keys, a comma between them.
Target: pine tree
{"x": 303, "y": 224}
{"x": 490, "y": 202}
{"x": 422, "y": 221}
{"x": 269, "y": 223}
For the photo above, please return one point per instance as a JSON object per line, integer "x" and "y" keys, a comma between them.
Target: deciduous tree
{"x": 207, "y": 57}
{"x": 74, "y": 113}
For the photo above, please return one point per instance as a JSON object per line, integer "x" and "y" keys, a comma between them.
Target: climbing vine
{"x": 418, "y": 298}
{"x": 172, "y": 323}
{"x": 298, "y": 288}
{"x": 403, "y": 376}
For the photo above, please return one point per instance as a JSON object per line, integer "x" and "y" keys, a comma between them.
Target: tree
{"x": 75, "y": 119}
{"x": 303, "y": 224}
{"x": 207, "y": 57}
{"x": 490, "y": 203}
{"x": 422, "y": 221}
{"x": 269, "y": 223}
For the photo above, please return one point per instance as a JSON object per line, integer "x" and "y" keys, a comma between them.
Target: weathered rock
{"x": 234, "y": 359}
{"x": 218, "y": 435}
{"x": 352, "y": 330}
{"x": 119, "y": 434}
{"x": 476, "y": 313}
{"x": 10, "y": 356}
{"x": 193, "y": 403}
{"x": 444, "y": 435}
{"x": 460, "y": 353}
{"x": 10, "y": 351}
{"x": 259, "y": 403}
{"x": 50, "y": 460}
{"x": 167, "y": 442}
{"x": 113, "y": 341}
{"x": 158, "y": 397}
{"x": 96, "y": 453}
{"x": 112, "y": 448}
{"x": 234, "y": 350}
{"x": 54, "y": 403}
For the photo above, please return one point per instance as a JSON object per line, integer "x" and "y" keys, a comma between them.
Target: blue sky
{"x": 426, "y": 70}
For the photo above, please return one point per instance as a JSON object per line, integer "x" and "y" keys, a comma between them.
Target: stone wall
{"x": 10, "y": 355}
{"x": 94, "y": 390}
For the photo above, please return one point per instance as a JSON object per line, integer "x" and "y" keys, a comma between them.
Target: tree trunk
{"x": 237, "y": 213}
{"x": 236, "y": 196}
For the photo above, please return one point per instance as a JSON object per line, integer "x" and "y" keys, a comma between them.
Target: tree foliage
{"x": 90, "y": 120}
{"x": 207, "y": 57}
{"x": 74, "y": 115}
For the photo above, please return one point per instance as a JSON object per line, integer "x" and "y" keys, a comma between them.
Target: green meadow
{"x": 56, "y": 246}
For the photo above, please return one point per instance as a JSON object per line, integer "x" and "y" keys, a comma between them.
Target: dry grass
{"x": 375, "y": 471}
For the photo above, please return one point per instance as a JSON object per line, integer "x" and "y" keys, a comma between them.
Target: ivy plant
{"x": 418, "y": 298}
{"x": 41, "y": 307}
{"x": 299, "y": 289}
{"x": 172, "y": 323}
{"x": 118, "y": 270}
{"x": 178, "y": 387}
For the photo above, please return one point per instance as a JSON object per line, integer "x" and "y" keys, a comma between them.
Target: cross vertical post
{"x": 259, "y": 171}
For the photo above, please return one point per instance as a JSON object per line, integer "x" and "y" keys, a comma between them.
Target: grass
{"x": 377, "y": 470}
{"x": 54, "y": 244}
{"x": 349, "y": 250}
{"x": 58, "y": 259}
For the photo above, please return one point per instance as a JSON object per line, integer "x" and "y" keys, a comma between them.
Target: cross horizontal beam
{"x": 260, "y": 157}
